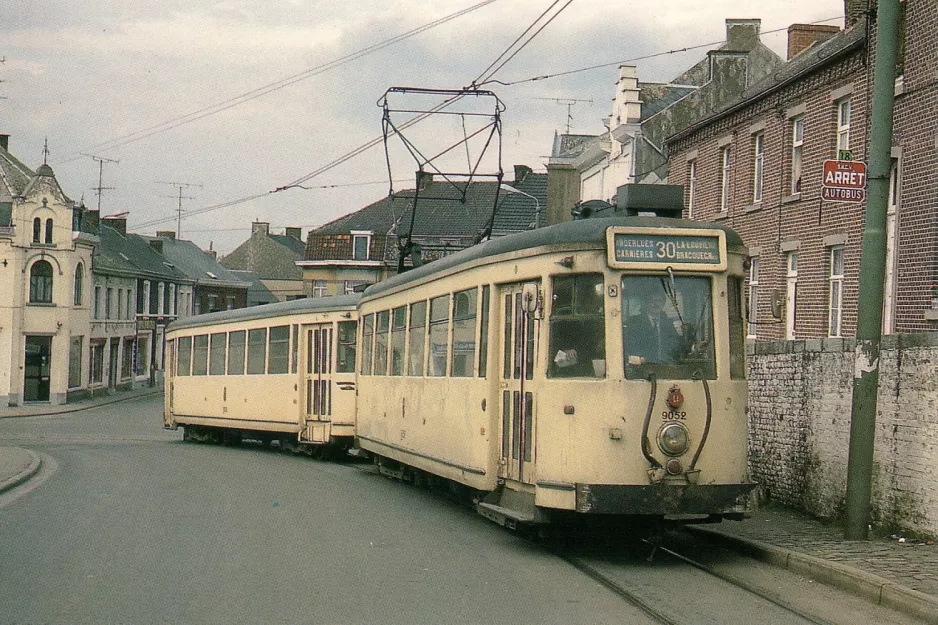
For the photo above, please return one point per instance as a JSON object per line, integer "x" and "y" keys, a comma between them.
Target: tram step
{"x": 518, "y": 516}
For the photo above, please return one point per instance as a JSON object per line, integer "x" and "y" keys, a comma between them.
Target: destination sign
{"x": 663, "y": 248}
{"x": 658, "y": 248}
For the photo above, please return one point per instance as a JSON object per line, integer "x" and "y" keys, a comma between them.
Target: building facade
{"x": 45, "y": 279}
{"x": 644, "y": 114}
{"x": 758, "y": 165}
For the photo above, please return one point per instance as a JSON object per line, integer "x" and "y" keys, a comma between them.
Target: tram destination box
{"x": 660, "y": 248}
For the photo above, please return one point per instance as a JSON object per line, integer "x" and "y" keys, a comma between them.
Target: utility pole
{"x": 179, "y": 186}
{"x": 100, "y": 160}
{"x": 872, "y": 275}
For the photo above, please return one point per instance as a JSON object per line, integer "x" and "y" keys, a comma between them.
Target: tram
{"x": 595, "y": 367}
{"x": 280, "y": 372}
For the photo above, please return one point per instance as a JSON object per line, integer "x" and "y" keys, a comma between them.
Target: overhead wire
{"x": 274, "y": 86}
{"x": 632, "y": 60}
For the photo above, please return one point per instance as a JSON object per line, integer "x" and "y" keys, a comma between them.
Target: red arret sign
{"x": 844, "y": 181}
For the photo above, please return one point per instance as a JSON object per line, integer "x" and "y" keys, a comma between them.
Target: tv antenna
{"x": 100, "y": 189}
{"x": 179, "y": 186}
{"x": 569, "y": 103}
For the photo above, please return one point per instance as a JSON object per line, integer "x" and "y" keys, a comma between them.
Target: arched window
{"x": 79, "y": 283}
{"x": 40, "y": 282}
{"x": 48, "y": 231}
{"x": 37, "y": 228}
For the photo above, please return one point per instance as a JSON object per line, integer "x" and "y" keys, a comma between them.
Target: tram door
{"x": 519, "y": 360}
{"x": 318, "y": 382}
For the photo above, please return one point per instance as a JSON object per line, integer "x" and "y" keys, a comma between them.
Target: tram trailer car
{"x": 283, "y": 372}
{"x": 591, "y": 368}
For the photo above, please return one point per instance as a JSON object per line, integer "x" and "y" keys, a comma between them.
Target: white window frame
{"x": 724, "y": 178}
{"x": 791, "y": 294}
{"x": 758, "y": 166}
{"x": 358, "y": 235}
{"x": 97, "y": 301}
{"x": 753, "y": 297}
{"x": 835, "y": 300}
{"x": 319, "y": 288}
{"x": 108, "y": 302}
{"x": 691, "y": 187}
{"x": 844, "y": 113}
{"x": 797, "y": 152}
{"x": 172, "y": 300}
{"x": 892, "y": 231}
{"x": 160, "y": 298}
{"x": 146, "y": 297}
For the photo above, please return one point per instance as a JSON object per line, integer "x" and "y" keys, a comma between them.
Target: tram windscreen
{"x": 667, "y": 327}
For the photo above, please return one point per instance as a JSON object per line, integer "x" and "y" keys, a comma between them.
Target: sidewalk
{"x": 894, "y": 571}
{"x": 35, "y": 410}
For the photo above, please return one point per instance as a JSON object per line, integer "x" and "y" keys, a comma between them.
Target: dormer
{"x": 43, "y": 214}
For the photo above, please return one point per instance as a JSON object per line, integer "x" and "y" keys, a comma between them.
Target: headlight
{"x": 673, "y": 439}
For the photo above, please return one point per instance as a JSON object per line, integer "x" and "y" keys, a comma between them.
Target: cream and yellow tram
{"x": 593, "y": 367}
{"x": 283, "y": 372}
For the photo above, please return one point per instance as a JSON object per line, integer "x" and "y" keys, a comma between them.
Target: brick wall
{"x": 799, "y": 420}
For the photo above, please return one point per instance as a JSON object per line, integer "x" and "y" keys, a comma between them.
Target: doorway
{"x": 37, "y": 369}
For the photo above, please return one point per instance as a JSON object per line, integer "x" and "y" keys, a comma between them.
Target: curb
{"x": 860, "y": 583}
{"x": 87, "y": 405}
{"x": 25, "y": 474}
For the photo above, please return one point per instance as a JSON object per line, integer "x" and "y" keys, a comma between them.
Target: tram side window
{"x": 216, "y": 364}
{"x": 279, "y": 355}
{"x": 398, "y": 339}
{"x": 368, "y": 335}
{"x": 184, "y": 359}
{"x": 418, "y": 334}
{"x": 464, "y": 332}
{"x": 345, "y": 354}
{"x": 484, "y": 334}
{"x": 236, "y": 353}
{"x": 294, "y": 347}
{"x": 439, "y": 335}
{"x": 200, "y": 355}
{"x": 381, "y": 342}
{"x": 577, "y": 327}
{"x": 667, "y": 327}
{"x": 734, "y": 304}
{"x": 257, "y": 351}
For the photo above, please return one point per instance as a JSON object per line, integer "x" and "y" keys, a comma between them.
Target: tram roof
{"x": 310, "y": 304}
{"x": 573, "y": 233}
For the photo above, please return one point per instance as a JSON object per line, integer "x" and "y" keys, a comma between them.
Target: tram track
{"x": 643, "y": 583}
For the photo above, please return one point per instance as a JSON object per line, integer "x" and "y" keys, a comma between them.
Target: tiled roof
{"x": 440, "y": 213}
{"x": 131, "y": 255}
{"x": 196, "y": 265}
{"x": 14, "y": 176}
{"x": 294, "y": 245}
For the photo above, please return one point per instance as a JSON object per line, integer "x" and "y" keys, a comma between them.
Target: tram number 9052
{"x": 674, "y": 415}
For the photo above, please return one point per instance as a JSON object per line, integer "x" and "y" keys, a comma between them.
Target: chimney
{"x": 260, "y": 226}
{"x": 296, "y": 233}
{"x": 742, "y": 35}
{"x": 424, "y": 180}
{"x": 116, "y": 222}
{"x": 803, "y": 36}
{"x": 166, "y": 234}
{"x": 213, "y": 254}
{"x": 854, "y": 11}
{"x": 5, "y": 142}
{"x": 521, "y": 172}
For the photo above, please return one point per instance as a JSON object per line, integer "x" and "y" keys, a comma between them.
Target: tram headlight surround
{"x": 673, "y": 439}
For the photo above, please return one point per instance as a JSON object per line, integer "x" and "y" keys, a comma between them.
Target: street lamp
{"x": 510, "y": 189}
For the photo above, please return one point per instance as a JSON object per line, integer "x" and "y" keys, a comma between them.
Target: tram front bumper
{"x": 661, "y": 499}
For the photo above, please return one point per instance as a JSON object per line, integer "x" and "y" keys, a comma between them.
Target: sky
{"x": 224, "y": 102}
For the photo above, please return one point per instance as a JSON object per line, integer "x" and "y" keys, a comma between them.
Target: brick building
{"x": 757, "y": 165}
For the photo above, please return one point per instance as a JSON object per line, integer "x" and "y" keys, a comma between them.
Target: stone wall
{"x": 799, "y": 418}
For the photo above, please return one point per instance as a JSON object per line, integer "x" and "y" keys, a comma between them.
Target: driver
{"x": 650, "y": 336}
